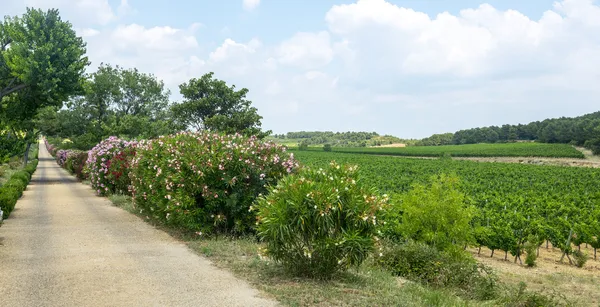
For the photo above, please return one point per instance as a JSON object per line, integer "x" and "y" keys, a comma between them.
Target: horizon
{"x": 404, "y": 68}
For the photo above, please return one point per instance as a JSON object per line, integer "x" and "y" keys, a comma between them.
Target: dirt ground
{"x": 581, "y": 285}
{"x": 395, "y": 145}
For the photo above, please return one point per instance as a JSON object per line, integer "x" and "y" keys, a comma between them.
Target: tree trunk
{"x": 547, "y": 244}
{"x": 492, "y": 256}
{"x": 479, "y": 251}
{"x": 26, "y": 158}
{"x": 505, "y": 255}
{"x": 595, "y": 254}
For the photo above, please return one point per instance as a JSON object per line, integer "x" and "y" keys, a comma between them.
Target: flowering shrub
{"x": 319, "y": 222}
{"x": 51, "y": 148}
{"x": 75, "y": 162}
{"x": 103, "y": 178}
{"x": 206, "y": 182}
{"x": 61, "y": 157}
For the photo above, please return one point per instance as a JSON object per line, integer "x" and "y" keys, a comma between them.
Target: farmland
{"x": 514, "y": 201}
{"x": 471, "y": 150}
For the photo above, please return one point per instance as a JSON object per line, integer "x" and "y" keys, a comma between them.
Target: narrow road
{"x": 64, "y": 246}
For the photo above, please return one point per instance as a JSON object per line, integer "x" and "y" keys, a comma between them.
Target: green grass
{"x": 472, "y": 150}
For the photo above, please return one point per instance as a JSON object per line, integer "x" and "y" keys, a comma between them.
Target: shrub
{"x": 436, "y": 214}
{"x": 8, "y": 199}
{"x": 13, "y": 189}
{"x": 75, "y": 162}
{"x": 319, "y": 222}
{"x": 303, "y": 145}
{"x": 98, "y": 163}
{"x": 206, "y": 182}
{"x": 452, "y": 268}
{"x": 327, "y": 147}
{"x": 61, "y": 157}
{"x": 580, "y": 258}
{"x": 21, "y": 175}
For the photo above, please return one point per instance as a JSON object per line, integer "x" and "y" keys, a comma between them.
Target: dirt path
{"x": 63, "y": 246}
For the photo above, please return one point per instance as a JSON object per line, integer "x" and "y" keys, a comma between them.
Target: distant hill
{"x": 579, "y": 131}
{"x": 337, "y": 139}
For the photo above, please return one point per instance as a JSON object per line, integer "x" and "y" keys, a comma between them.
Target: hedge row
{"x": 12, "y": 190}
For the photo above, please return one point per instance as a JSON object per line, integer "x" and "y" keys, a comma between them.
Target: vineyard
{"x": 517, "y": 203}
{"x": 472, "y": 150}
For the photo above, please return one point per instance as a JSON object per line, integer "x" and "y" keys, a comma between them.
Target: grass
{"x": 472, "y": 150}
{"x": 366, "y": 286}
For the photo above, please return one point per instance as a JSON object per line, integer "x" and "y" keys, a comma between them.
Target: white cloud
{"x": 379, "y": 66}
{"x": 78, "y": 11}
{"x": 306, "y": 50}
{"x": 250, "y": 5}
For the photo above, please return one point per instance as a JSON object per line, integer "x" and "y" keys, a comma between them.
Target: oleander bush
{"x": 206, "y": 182}
{"x": 320, "y": 221}
{"x": 104, "y": 179}
{"x": 75, "y": 163}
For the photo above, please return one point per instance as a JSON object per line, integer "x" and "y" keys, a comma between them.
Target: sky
{"x": 406, "y": 68}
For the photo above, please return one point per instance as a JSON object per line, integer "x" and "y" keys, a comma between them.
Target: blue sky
{"x": 407, "y": 68}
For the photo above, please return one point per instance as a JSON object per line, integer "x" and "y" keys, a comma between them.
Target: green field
{"x": 513, "y": 199}
{"x": 473, "y": 150}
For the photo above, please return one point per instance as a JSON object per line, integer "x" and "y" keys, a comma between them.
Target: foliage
{"x": 319, "y": 222}
{"x": 41, "y": 56}
{"x": 327, "y": 147}
{"x": 513, "y": 201}
{"x": 524, "y": 298}
{"x": 474, "y": 150}
{"x": 337, "y": 139}
{"x": 12, "y": 190}
{"x": 75, "y": 163}
{"x": 579, "y": 131}
{"x": 104, "y": 179}
{"x": 212, "y": 105}
{"x": 580, "y": 258}
{"x": 435, "y": 214}
{"x": 531, "y": 250}
{"x": 426, "y": 264}
{"x": 206, "y": 182}
{"x": 116, "y": 101}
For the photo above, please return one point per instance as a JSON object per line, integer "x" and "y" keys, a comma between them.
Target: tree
{"x": 41, "y": 64}
{"x": 116, "y": 101}
{"x": 212, "y": 105}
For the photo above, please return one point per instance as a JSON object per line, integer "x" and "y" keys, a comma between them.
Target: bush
{"x": 8, "y": 199}
{"x": 327, "y": 147}
{"x": 103, "y": 179}
{"x": 452, "y": 268}
{"x": 580, "y": 258}
{"x": 23, "y": 175}
{"x": 13, "y": 189}
{"x": 530, "y": 259}
{"x": 436, "y": 214}
{"x": 75, "y": 163}
{"x": 319, "y": 222}
{"x": 303, "y": 145}
{"x": 206, "y": 182}
{"x": 61, "y": 157}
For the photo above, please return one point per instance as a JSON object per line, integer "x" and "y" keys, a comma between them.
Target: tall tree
{"x": 211, "y": 104}
{"x": 42, "y": 62}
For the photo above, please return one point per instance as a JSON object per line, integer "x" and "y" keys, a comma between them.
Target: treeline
{"x": 134, "y": 105}
{"x": 340, "y": 139}
{"x": 579, "y": 131}
{"x": 44, "y": 89}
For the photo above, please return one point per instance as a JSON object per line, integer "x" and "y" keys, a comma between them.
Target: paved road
{"x": 64, "y": 246}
